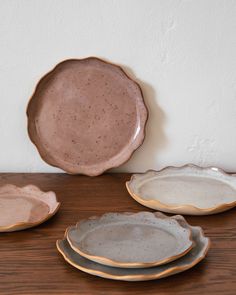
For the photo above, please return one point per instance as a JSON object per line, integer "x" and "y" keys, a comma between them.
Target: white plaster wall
{"x": 182, "y": 52}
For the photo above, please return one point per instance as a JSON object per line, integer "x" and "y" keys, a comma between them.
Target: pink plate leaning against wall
{"x": 86, "y": 116}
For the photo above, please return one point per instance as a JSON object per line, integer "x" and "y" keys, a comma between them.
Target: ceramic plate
{"x": 185, "y": 190}
{"x": 198, "y": 253}
{"x": 86, "y": 116}
{"x": 24, "y": 207}
{"x": 130, "y": 240}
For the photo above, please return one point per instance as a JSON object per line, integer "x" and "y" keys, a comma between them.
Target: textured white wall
{"x": 182, "y": 52}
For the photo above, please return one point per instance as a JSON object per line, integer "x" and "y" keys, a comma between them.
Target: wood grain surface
{"x": 30, "y": 263}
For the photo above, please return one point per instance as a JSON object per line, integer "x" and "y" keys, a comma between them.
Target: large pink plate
{"x": 86, "y": 116}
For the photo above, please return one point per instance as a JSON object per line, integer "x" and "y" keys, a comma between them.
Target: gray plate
{"x": 130, "y": 240}
{"x": 198, "y": 253}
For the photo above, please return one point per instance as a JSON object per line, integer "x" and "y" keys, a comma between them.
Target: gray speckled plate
{"x": 188, "y": 189}
{"x": 198, "y": 253}
{"x": 130, "y": 240}
{"x": 86, "y": 116}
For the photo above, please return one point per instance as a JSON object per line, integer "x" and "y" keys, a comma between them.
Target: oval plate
{"x": 25, "y": 207}
{"x": 86, "y": 116}
{"x": 197, "y": 254}
{"x": 188, "y": 190}
{"x": 130, "y": 240}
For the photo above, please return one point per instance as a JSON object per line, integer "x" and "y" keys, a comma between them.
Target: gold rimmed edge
{"x": 111, "y": 262}
{"x": 184, "y": 208}
{"x": 167, "y": 272}
{"x": 144, "y": 120}
{"x": 24, "y": 225}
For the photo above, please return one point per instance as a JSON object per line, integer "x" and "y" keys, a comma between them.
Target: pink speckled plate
{"x": 86, "y": 116}
{"x": 24, "y": 207}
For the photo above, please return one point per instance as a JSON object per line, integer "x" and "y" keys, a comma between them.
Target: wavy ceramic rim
{"x": 130, "y": 150}
{"x": 167, "y": 272}
{"x": 155, "y": 204}
{"x": 24, "y": 225}
{"x": 111, "y": 262}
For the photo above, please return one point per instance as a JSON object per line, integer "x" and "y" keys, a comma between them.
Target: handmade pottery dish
{"x": 185, "y": 190}
{"x": 86, "y": 116}
{"x": 130, "y": 240}
{"x": 193, "y": 257}
{"x": 24, "y": 207}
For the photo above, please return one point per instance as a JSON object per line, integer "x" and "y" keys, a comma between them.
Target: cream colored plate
{"x": 130, "y": 240}
{"x": 24, "y": 207}
{"x": 198, "y": 253}
{"x": 185, "y": 190}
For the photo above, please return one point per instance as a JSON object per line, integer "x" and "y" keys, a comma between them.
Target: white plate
{"x": 185, "y": 190}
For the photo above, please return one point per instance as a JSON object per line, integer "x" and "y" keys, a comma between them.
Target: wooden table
{"x": 30, "y": 263}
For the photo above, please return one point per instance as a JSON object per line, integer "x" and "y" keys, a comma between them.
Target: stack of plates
{"x": 133, "y": 246}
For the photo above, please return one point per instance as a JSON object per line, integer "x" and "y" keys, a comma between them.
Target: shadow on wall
{"x": 146, "y": 156}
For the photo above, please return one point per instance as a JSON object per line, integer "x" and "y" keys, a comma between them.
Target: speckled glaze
{"x": 86, "y": 116}
{"x": 130, "y": 240}
{"x": 24, "y": 207}
{"x": 199, "y": 251}
{"x": 188, "y": 190}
